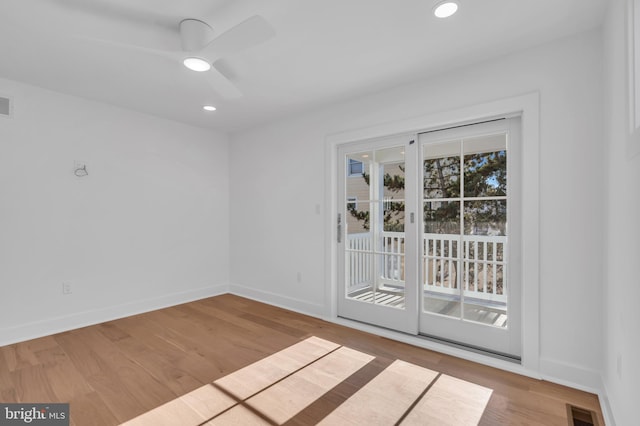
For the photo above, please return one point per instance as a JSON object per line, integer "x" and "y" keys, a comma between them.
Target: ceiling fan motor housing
{"x": 195, "y": 34}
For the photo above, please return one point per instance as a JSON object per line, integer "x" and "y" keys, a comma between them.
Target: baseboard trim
{"x": 285, "y": 302}
{"x": 605, "y": 406}
{"x": 61, "y": 324}
{"x": 569, "y": 375}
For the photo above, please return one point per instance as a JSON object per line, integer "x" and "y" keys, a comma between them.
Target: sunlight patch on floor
{"x": 275, "y": 389}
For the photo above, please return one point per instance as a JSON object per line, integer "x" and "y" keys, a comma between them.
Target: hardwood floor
{"x": 115, "y": 371}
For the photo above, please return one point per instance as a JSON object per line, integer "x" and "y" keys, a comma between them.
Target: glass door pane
{"x": 441, "y": 239}
{"x": 465, "y": 225}
{"x": 485, "y": 229}
{"x": 374, "y": 218}
{"x": 466, "y": 236}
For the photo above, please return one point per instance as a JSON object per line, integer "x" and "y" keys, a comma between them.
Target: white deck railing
{"x": 479, "y": 266}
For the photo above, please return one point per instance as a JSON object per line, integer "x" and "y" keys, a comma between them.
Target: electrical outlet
{"x": 66, "y": 288}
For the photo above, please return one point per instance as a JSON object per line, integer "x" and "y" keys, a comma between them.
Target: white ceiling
{"x": 324, "y": 51}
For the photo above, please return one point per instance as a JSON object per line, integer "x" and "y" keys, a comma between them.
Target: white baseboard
{"x": 285, "y": 302}
{"x": 570, "y": 375}
{"x": 605, "y": 406}
{"x": 50, "y": 326}
{"x": 579, "y": 378}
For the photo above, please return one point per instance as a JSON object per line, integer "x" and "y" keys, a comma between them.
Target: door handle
{"x": 339, "y": 228}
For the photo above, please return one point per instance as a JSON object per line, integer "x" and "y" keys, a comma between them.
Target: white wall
{"x": 621, "y": 293}
{"x": 278, "y": 175}
{"x": 147, "y": 228}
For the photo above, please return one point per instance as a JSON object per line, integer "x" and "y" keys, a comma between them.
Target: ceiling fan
{"x": 201, "y": 48}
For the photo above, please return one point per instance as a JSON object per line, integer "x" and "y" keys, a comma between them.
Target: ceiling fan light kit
{"x": 196, "y": 64}
{"x": 444, "y": 9}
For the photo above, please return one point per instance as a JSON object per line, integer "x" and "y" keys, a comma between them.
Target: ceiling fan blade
{"x": 126, "y": 12}
{"x": 222, "y": 85}
{"x": 169, "y": 54}
{"x": 248, "y": 33}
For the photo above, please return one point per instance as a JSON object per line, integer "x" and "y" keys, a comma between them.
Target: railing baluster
{"x": 450, "y": 264}
{"x": 484, "y": 266}
{"x": 466, "y": 266}
{"x": 475, "y": 265}
{"x": 495, "y": 266}
{"x": 354, "y": 268}
{"x": 433, "y": 264}
{"x": 440, "y": 262}
{"x": 360, "y": 258}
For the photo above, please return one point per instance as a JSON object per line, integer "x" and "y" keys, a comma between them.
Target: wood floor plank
{"x": 172, "y": 413}
{"x": 90, "y": 409}
{"x": 120, "y": 382}
{"x": 385, "y": 399}
{"x": 66, "y": 382}
{"x": 238, "y": 415}
{"x": 208, "y": 401}
{"x": 192, "y": 363}
{"x": 121, "y": 402}
{"x": 51, "y": 356}
{"x": 140, "y": 383}
{"x": 6, "y": 382}
{"x": 32, "y": 384}
{"x": 286, "y": 398}
{"x": 191, "y": 409}
{"x": 243, "y": 325}
{"x": 166, "y": 367}
{"x": 450, "y": 402}
{"x": 19, "y": 356}
{"x": 198, "y": 338}
{"x": 84, "y": 358}
{"x": 329, "y": 402}
{"x": 257, "y": 376}
{"x": 8, "y": 396}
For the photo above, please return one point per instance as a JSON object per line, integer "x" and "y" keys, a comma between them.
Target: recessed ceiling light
{"x": 209, "y": 108}
{"x": 445, "y": 9}
{"x": 197, "y": 64}
{"x": 365, "y": 155}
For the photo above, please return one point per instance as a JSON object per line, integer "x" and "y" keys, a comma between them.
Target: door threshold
{"x": 451, "y": 343}
{"x": 437, "y": 345}
{"x": 482, "y": 351}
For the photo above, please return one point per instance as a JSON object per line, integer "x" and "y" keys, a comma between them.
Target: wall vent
{"x": 581, "y": 416}
{"x": 5, "y": 107}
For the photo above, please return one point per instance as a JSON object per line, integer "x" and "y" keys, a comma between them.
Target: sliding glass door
{"x": 378, "y": 277}
{"x": 470, "y": 236}
{"x": 429, "y": 234}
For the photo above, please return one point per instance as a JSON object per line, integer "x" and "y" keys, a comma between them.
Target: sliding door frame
{"x": 527, "y": 106}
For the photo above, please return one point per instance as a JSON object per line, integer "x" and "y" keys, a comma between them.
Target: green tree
{"x": 441, "y": 180}
{"x": 485, "y": 175}
{"x": 393, "y": 211}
